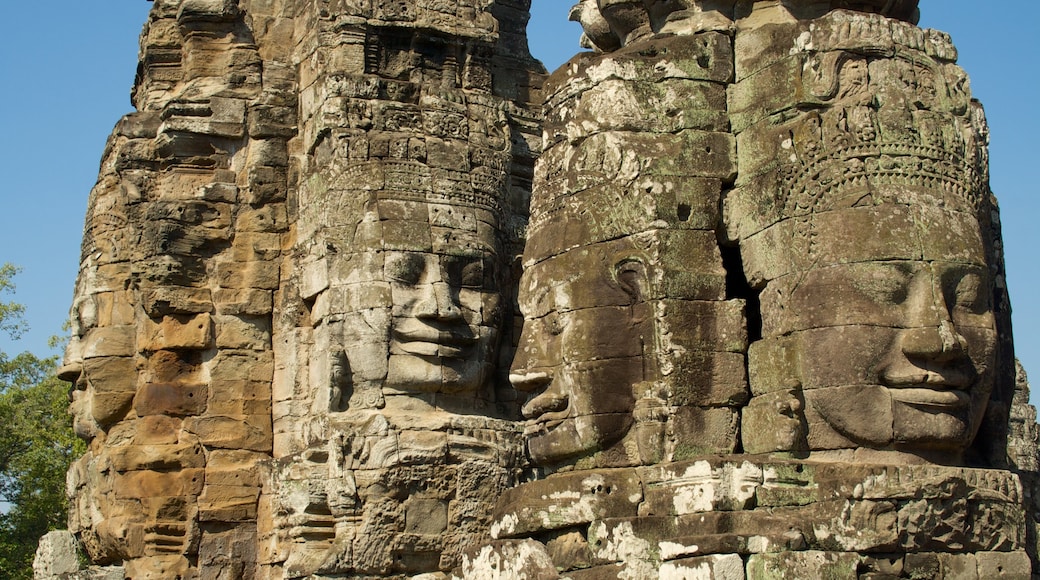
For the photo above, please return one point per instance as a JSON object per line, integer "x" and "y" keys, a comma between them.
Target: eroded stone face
{"x": 875, "y": 260}
{"x": 913, "y": 341}
{"x": 417, "y": 303}
{"x": 391, "y": 433}
{"x": 582, "y": 352}
{"x": 631, "y": 351}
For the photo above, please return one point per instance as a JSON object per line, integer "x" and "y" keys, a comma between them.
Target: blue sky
{"x": 68, "y": 66}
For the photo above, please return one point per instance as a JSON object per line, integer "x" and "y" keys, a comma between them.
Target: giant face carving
{"x": 418, "y": 302}
{"x": 445, "y": 319}
{"x": 891, "y": 329}
{"x": 582, "y": 351}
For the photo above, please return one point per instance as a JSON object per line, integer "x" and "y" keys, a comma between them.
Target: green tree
{"x": 37, "y": 445}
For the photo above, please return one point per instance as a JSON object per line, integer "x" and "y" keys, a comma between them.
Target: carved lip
{"x": 944, "y": 379}
{"x": 425, "y": 340}
{"x": 545, "y": 412}
{"x": 542, "y": 425}
{"x": 923, "y": 395}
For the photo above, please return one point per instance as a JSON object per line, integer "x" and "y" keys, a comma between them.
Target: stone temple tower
{"x": 296, "y": 176}
{"x": 364, "y": 293}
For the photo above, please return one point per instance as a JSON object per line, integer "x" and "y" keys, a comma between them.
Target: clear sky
{"x": 67, "y": 67}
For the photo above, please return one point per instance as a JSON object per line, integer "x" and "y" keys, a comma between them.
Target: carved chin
{"x": 578, "y": 436}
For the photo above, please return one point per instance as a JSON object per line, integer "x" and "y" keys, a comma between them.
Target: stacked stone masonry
{"x": 364, "y": 293}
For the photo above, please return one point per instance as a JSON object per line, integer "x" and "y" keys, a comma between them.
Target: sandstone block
{"x": 837, "y": 565}
{"x": 177, "y": 332}
{"x": 245, "y": 301}
{"x": 167, "y": 300}
{"x": 525, "y": 557}
{"x": 148, "y": 483}
{"x": 157, "y": 430}
{"x": 566, "y": 500}
{"x": 228, "y": 553}
{"x": 728, "y": 567}
{"x": 171, "y": 399}
{"x": 157, "y": 457}
{"x": 228, "y": 503}
{"x": 251, "y": 433}
{"x": 243, "y": 332}
{"x": 1003, "y": 564}
{"x": 109, "y": 341}
{"x": 111, "y": 375}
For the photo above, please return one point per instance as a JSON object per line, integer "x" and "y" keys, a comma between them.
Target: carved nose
{"x": 941, "y": 342}
{"x": 932, "y": 334}
{"x": 530, "y": 381}
{"x": 70, "y": 372}
{"x": 437, "y": 302}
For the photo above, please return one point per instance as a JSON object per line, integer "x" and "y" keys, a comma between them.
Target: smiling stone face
{"x": 869, "y": 231}
{"x": 890, "y": 354}
{"x": 445, "y": 317}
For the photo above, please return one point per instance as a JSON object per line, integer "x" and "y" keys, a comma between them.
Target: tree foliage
{"x": 37, "y": 445}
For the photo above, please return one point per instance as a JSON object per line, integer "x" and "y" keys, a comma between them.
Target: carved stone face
{"x": 894, "y": 353}
{"x": 98, "y": 365}
{"x": 445, "y": 320}
{"x": 426, "y": 317}
{"x": 580, "y": 354}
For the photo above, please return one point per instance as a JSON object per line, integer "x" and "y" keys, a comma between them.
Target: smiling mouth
{"x": 545, "y": 412}
{"x": 924, "y": 396}
{"x": 430, "y": 341}
{"x": 545, "y": 423}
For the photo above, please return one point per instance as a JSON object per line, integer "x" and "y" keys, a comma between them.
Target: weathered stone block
{"x": 228, "y": 503}
{"x": 109, "y": 341}
{"x": 177, "y": 332}
{"x": 704, "y": 431}
{"x": 110, "y": 375}
{"x": 167, "y": 300}
{"x": 243, "y": 332}
{"x": 157, "y": 457}
{"x": 836, "y": 565}
{"x": 244, "y": 301}
{"x": 171, "y": 399}
{"x": 157, "y": 430}
{"x": 1003, "y": 564}
{"x": 728, "y": 567}
{"x": 773, "y": 422}
{"x": 251, "y": 433}
{"x": 510, "y": 558}
{"x": 151, "y": 484}
{"x": 566, "y": 500}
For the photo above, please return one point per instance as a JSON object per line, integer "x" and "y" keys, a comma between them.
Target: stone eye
{"x": 888, "y": 286}
{"x": 405, "y": 268}
{"x": 466, "y": 272}
{"x": 969, "y": 294}
{"x": 555, "y": 323}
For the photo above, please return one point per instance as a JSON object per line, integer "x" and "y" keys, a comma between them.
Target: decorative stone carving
{"x": 631, "y": 352}
{"x": 741, "y": 518}
{"x": 764, "y": 327}
{"x": 864, "y": 222}
{"x": 391, "y": 436}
